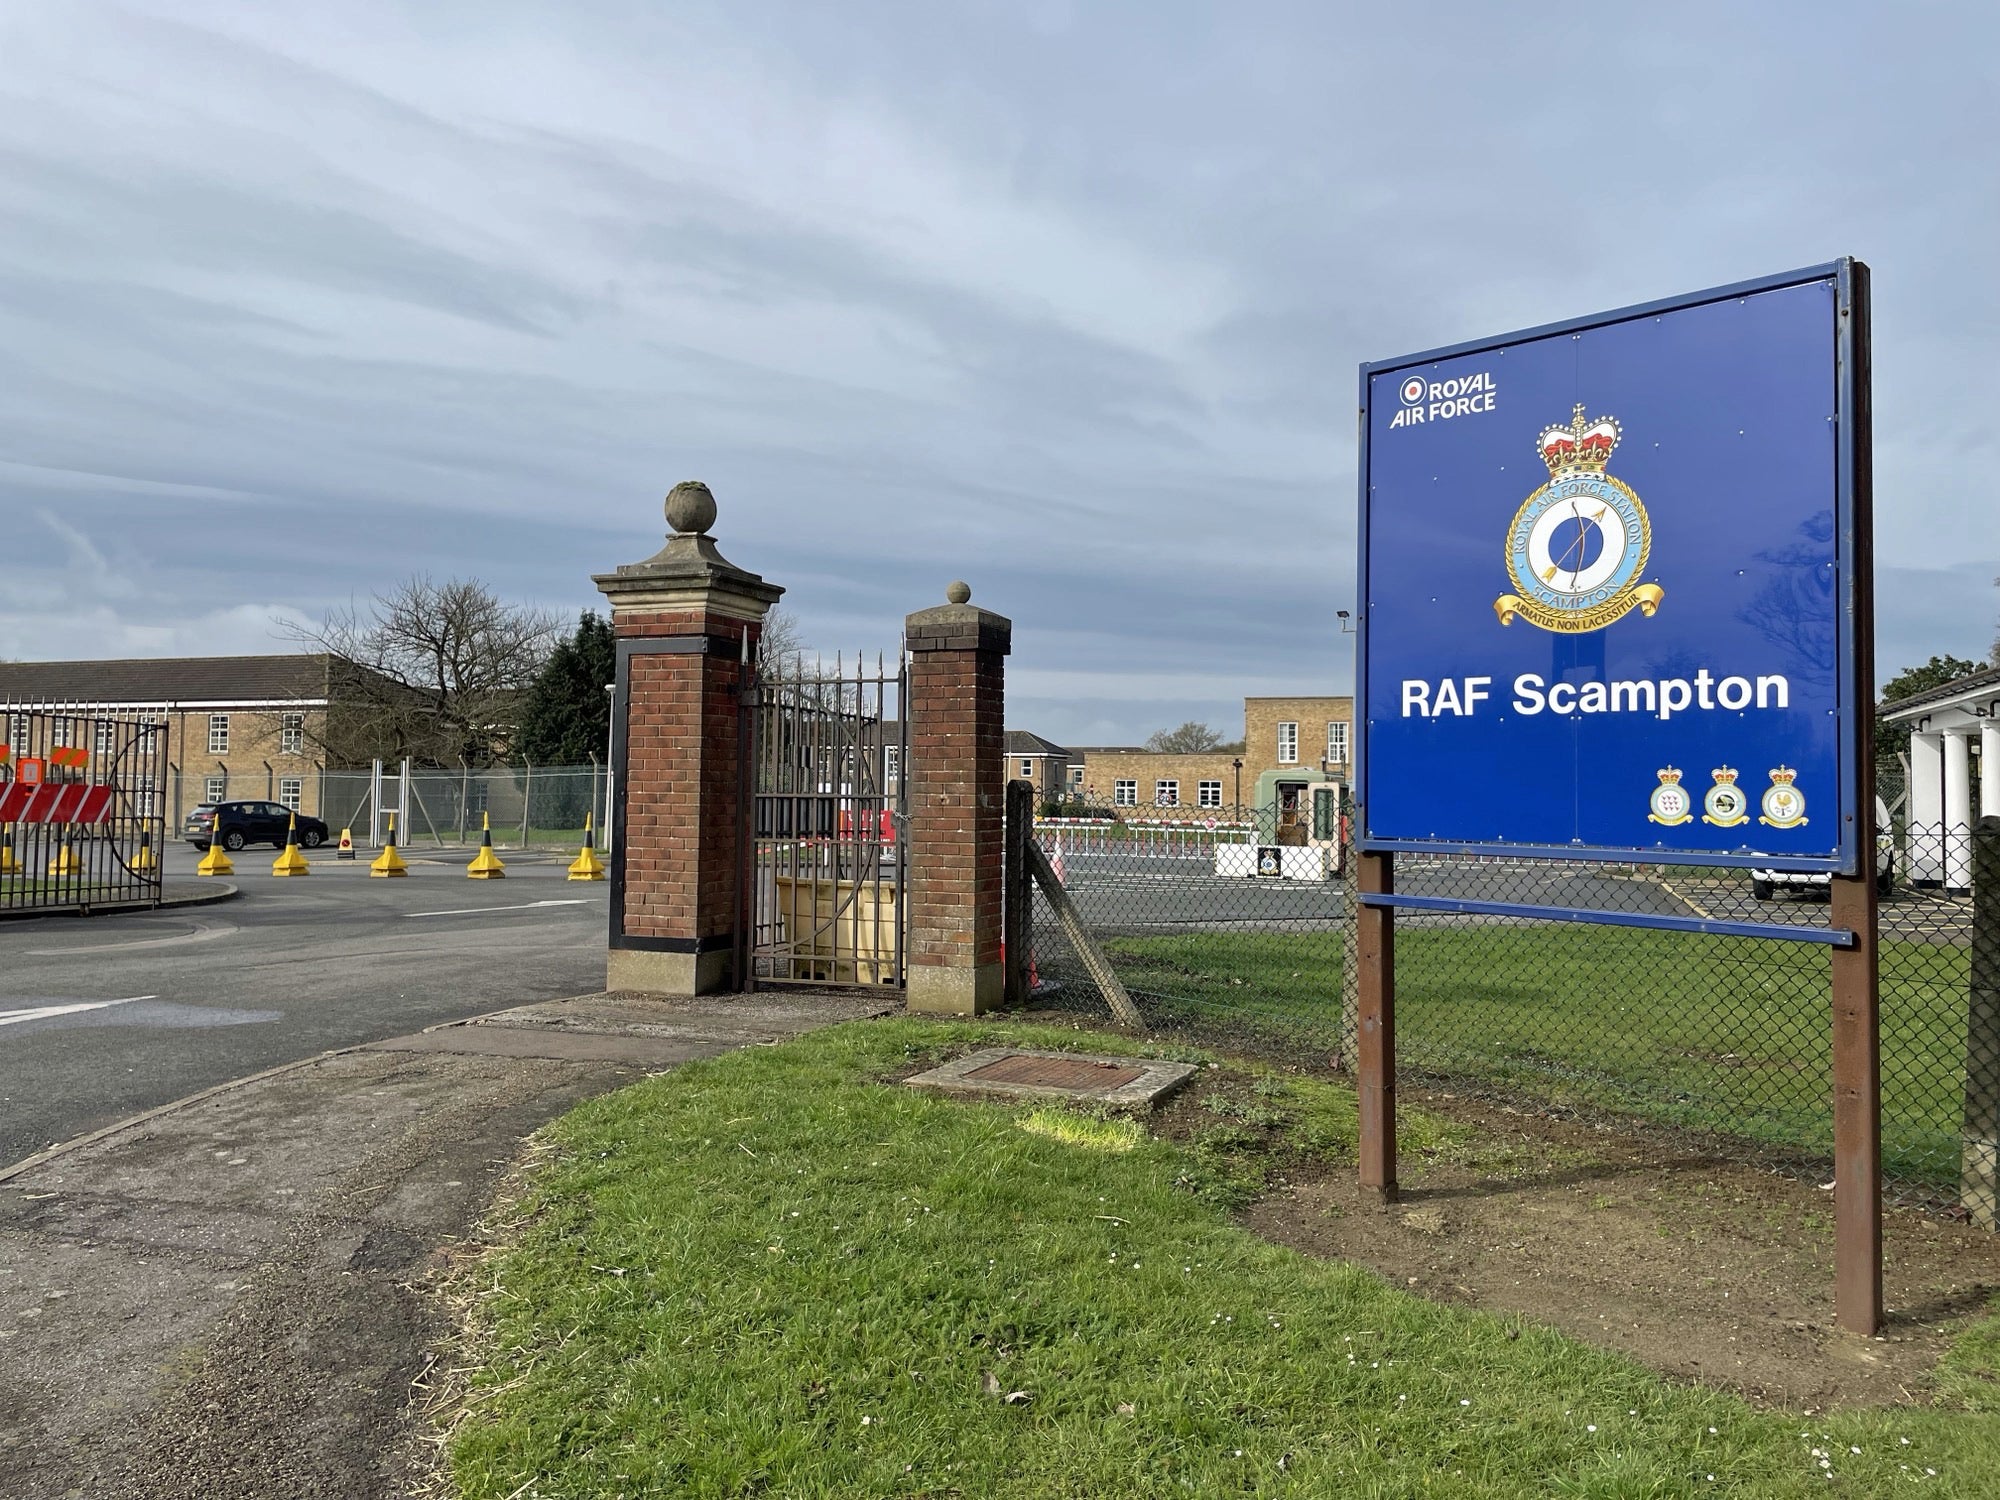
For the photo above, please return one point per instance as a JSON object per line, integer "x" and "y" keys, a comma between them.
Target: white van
{"x": 1764, "y": 884}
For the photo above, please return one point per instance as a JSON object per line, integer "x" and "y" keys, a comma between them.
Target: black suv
{"x": 240, "y": 823}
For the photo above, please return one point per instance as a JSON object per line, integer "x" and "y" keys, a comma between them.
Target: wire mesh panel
{"x": 824, "y": 864}
{"x": 1723, "y": 1037}
{"x": 82, "y": 806}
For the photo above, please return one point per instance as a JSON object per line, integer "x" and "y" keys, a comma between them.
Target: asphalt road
{"x": 179, "y": 1001}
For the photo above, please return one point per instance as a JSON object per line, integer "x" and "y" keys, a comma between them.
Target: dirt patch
{"x": 1698, "y": 1266}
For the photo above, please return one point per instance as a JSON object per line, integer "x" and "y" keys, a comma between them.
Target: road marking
{"x": 42, "y": 1012}
{"x": 473, "y": 911}
{"x": 203, "y": 933}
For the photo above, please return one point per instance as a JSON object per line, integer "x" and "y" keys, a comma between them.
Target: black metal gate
{"x": 82, "y": 810}
{"x": 822, "y": 881}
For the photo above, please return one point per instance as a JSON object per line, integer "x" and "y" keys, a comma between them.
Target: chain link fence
{"x": 531, "y": 806}
{"x": 1724, "y": 1037}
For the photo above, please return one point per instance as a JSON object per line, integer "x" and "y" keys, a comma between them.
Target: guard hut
{"x": 1949, "y": 725}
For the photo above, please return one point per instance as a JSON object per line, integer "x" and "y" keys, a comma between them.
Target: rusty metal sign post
{"x": 1688, "y": 598}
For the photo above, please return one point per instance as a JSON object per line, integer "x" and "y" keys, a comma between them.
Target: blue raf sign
{"x": 1606, "y": 586}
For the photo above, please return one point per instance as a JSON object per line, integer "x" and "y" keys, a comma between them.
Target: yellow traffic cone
{"x": 486, "y": 864}
{"x": 215, "y": 862}
{"x": 586, "y": 866}
{"x": 345, "y": 850}
{"x": 148, "y": 858}
{"x": 9, "y": 865}
{"x": 65, "y": 863}
{"x": 289, "y": 860}
{"x": 388, "y": 862}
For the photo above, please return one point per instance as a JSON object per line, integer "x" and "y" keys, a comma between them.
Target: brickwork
{"x": 1105, "y": 765}
{"x": 684, "y": 620}
{"x": 957, "y": 807}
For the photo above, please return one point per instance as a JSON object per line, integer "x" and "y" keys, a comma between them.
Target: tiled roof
{"x": 1973, "y": 684}
{"x": 158, "y": 680}
{"x": 1021, "y": 742}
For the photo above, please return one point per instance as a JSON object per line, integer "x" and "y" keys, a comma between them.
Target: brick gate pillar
{"x": 686, "y": 622}
{"x": 957, "y": 804}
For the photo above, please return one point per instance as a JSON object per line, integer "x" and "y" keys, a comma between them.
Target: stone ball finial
{"x": 690, "y": 507}
{"x": 958, "y": 592}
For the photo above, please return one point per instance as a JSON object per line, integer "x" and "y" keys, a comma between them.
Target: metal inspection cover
{"x": 1015, "y": 1071}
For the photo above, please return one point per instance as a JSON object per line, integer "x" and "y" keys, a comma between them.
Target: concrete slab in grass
{"x": 1119, "y": 1082}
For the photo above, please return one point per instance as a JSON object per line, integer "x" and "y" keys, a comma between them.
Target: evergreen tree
{"x": 566, "y": 716}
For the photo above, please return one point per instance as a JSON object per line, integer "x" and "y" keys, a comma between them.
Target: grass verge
{"x": 1708, "y": 1033}
{"x": 774, "y": 1273}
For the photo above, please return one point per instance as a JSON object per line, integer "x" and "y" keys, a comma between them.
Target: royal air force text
{"x": 1442, "y": 400}
{"x": 1664, "y": 697}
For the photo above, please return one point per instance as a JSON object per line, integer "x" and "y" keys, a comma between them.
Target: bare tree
{"x": 1188, "y": 739}
{"x": 432, "y": 671}
{"x": 781, "y": 646}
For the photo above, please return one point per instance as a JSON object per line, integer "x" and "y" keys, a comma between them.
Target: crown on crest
{"x": 1671, "y": 776}
{"x": 1583, "y": 445}
{"x": 1783, "y": 776}
{"x": 1724, "y": 775}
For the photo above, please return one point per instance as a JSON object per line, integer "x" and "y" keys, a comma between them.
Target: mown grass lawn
{"x": 1714, "y": 1033}
{"x": 774, "y": 1273}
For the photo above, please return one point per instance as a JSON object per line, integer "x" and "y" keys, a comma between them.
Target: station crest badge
{"x": 1784, "y": 804}
{"x": 1578, "y": 546}
{"x": 1670, "y": 801}
{"x": 1725, "y": 805}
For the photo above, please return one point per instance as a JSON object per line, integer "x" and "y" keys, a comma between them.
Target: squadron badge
{"x": 1670, "y": 801}
{"x": 1725, "y": 805}
{"x": 1784, "y": 804}
{"x": 1578, "y": 545}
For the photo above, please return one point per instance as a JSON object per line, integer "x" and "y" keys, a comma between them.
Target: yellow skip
{"x": 486, "y": 864}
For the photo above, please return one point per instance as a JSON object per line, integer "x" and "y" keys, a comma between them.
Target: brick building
{"x": 237, "y": 726}
{"x": 1289, "y": 745}
{"x": 1029, "y": 757}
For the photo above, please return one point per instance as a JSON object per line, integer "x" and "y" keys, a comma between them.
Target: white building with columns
{"x": 1949, "y": 726}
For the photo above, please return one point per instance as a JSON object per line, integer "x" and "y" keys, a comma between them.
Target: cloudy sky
{"x": 1064, "y": 299}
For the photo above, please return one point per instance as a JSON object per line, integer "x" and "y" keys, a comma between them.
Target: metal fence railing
{"x": 81, "y": 818}
{"x": 1728, "y": 1037}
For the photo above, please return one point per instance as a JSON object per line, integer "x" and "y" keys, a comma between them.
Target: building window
{"x": 216, "y": 788}
{"x": 1336, "y": 742}
{"x": 1027, "y": 769}
{"x": 149, "y": 738}
{"x": 1288, "y": 744}
{"x": 59, "y": 735}
{"x": 1076, "y": 777}
{"x": 218, "y": 734}
{"x": 292, "y": 735}
{"x": 106, "y": 736}
{"x": 1166, "y": 794}
{"x": 17, "y": 733}
{"x": 1209, "y": 793}
{"x": 142, "y": 797}
{"x": 291, "y": 791}
{"x": 892, "y": 764}
{"x": 1124, "y": 793}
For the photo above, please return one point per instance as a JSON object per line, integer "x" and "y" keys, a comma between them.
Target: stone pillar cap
{"x": 688, "y": 572}
{"x": 958, "y": 625}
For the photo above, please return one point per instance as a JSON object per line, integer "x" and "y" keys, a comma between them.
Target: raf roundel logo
{"x": 1412, "y": 390}
{"x": 1578, "y": 545}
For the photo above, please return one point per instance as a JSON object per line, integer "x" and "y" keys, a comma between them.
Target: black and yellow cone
{"x": 345, "y": 848}
{"x": 486, "y": 864}
{"x": 215, "y": 862}
{"x": 65, "y": 864}
{"x": 9, "y": 865}
{"x": 289, "y": 860}
{"x": 388, "y": 862}
{"x": 148, "y": 858}
{"x": 586, "y": 866}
